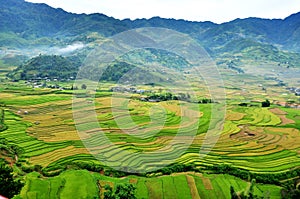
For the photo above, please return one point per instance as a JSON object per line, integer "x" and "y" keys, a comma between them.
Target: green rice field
{"x": 181, "y": 185}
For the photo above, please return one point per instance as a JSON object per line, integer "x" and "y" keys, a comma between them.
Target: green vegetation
{"x": 257, "y": 152}
{"x": 46, "y": 67}
{"x": 148, "y": 56}
{"x": 70, "y": 184}
{"x": 122, "y": 191}
{"x": 39, "y": 148}
{"x": 266, "y": 103}
{"x": 248, "y": 142}
{"x": 85, "y": 184}
{"x": 9, "y": 187}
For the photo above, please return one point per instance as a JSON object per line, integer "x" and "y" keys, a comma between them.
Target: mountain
{"x": 24, "y": 24}
{"x": 31, "y": 20}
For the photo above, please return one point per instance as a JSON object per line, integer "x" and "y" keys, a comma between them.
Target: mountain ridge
{"x": 27, "y": 21}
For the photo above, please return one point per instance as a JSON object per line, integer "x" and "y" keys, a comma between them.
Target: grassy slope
{"x": 82, "y": 184}
{"x": 70, "y": 184}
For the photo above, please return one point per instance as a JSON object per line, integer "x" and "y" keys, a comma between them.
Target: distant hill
{"x": 52, "y": 67}
{"x": 59, "y": 67}
{"x": 44, "y": 67}
{"x": 24, "y": 24}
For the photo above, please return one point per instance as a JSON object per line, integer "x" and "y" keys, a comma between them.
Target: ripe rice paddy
{"x": 253, "y": 138}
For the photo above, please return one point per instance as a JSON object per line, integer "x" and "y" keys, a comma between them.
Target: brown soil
{"x": 278, "y": 111}
{"x": 207, "y": 183}
{"x": 193, "y": 187}
{"x": 282, "y": 115}
{"x": 133, "y": 181}
{"x": 244, "y": 133}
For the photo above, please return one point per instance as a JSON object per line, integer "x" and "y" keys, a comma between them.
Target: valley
{"x": 93, "y": 107}
{"x": 254, "y": 139}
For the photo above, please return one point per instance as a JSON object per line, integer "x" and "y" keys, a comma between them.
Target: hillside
{"x": 46, "y": 66}
{"x": 59, "y": 67}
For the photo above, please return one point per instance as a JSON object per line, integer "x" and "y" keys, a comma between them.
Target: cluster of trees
{"x": 177, "y": 168}
{"x": 45, "y": 171}
{"x": 243, "y": 104}
{"x": 88, "y": 166}
{"x": 205, "y": 101}
{"x": 107, "y": 171}
{"x": 83, "y": 86}
{"x": 122, "y": 191}
{"x": 266, "y": 178}
{"x": 266, "y": 103}
{"x": 180, "y": 96}
{"x": 56, "y": 169}
{"x": 167, "y": 97}
{"x": 164, "y": 97}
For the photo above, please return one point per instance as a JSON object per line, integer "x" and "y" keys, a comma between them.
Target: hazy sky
{"x": 196, "y": 10}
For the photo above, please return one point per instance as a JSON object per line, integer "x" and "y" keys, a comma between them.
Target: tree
{"x": 108, "y": 194}
{"x": 266, "y": 103}
{"x": 8, "y": 186}
{"x": 83, "y": 86}
{"x": 74, "y": 88}
{"x": 124, "y": 191}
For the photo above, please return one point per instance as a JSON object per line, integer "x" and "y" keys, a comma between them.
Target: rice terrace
{"x": 97, "y": 107}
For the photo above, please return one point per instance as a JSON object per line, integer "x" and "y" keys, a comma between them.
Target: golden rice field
{"x": 253, "y": 138}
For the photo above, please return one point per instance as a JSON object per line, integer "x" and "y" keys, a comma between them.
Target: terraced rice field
{"x": 253, "y": 138}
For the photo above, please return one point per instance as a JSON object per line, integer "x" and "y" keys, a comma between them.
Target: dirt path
{"x": 193, "y": 188}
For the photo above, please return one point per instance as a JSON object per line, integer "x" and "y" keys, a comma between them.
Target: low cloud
{"x": 71, "y": 48}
